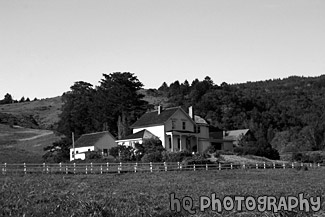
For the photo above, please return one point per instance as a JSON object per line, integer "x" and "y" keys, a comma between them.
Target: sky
{"x": 47, "y": 45}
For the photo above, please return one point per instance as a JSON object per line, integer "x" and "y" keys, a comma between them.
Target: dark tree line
{"x": 8, "y": 99}
{"x": 287, "y": 113}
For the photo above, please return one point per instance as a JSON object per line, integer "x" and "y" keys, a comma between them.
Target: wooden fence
{"x": 105, "y": 168}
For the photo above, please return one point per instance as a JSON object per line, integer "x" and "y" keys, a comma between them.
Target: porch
{"x": 182, "y": 141}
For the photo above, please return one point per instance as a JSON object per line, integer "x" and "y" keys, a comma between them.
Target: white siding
{"x": 158, "y": 131}
{"x": 81, "y": 150}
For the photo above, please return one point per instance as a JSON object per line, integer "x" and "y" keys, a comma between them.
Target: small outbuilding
{"x": 99, "y": 141}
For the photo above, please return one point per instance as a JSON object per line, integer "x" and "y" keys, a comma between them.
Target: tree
{"x": 27, "y": 100}
{"x": 163, "y": 87}
{"x": 22, "y": 99}
{"x": 7, "y": 99}
{"x": 76, "y": 110}
{"x": 119, "y": 98}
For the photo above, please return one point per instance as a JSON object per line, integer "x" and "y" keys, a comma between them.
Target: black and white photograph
{"x": 162, "y": 108}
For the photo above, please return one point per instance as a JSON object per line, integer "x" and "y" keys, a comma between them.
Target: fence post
{"x": 264, "y": 166}
{"x": 165, "y": 165}
{"x": 135, "y": 167}
{"x": 194, "y": 167}
{"x": 177, "y": 165}
{"x": 244, "y": 167}
{"x": 256, "y": 166}
{"x": 150, "y": 166}
{"x": 44, "y": 168}
{"x": 91, "y": 167}
{"x": 284, "y": 165}
{"x": 86, "y": 169}
{"x": 318, "y": 165}
{"x": 219, "y": 166}
{"x": 101, "y": 169}
{"x": 47, "y": 169}
{"x": 292, "y": 165}
{"x": 273, "y": 165}
{"x": 74, "y": 168}
{"x": 60, "y": 166}
{"x": 107, "y": 167}
{"x": 119, "y": 168}
{"x": 25, "y": 169}
{"x": 231, "y": 166}
{"x": 310, "y": 165}
{"x": 206, "y": 166}
{"x": 66, "y": 169}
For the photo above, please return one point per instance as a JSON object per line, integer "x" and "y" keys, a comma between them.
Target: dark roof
{"x": 136, "y": 135}
{"x": 90, "y": 139}
{"x": 152, "y": 118}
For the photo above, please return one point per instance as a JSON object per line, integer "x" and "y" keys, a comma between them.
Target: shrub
{"x": 196, "y": 159}
{"x": 175, "y": 156}
{"x": 152, "y": 157}
{"x": 93, "y": 155}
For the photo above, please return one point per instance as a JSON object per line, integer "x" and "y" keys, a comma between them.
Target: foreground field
{"x": 148, "y": 194}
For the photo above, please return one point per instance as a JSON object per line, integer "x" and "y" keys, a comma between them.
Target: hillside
{"x": 42, "y": 114}
{"x": 24, "y": 145}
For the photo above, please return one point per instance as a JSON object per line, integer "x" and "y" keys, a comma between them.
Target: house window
{"x": 77, "y": 152}
{"x": 179, "y": 143}
{"x": 198, "y": 129}
{"x": 88, "y": 149}
{"x": 105, "y": 152}
{"x": 184, "y": 125}
{"x": 170, "y": 143}
{"x": 173, "y": 124}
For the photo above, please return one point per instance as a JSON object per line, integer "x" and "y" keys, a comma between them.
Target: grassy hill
{"x": 24, "y": 145}
{"x": 42, "y": 114}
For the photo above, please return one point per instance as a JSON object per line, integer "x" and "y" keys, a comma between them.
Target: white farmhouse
{"x": 176, "y": 129}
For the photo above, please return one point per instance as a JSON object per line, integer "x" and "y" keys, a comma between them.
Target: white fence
{"x": 105, "y": 168}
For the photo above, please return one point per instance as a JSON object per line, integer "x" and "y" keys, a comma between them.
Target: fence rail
{"x": 105, "y": 168}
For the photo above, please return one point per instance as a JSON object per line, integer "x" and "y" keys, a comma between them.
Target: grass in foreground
{"x": 147, "y": 194}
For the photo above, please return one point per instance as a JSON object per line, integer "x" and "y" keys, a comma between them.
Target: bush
{"x": 152, "y": 157}
{"x": 175, "y": 156}
{"x": 308, "y": 158}
{"x": 196, "y": 159}
{"x": 93, "y": 155}
{"x": 262, "y": 151}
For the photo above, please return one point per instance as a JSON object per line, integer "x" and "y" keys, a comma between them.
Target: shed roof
{"x": 137, "y": 135}
{"x": 90, "y": 139}
{"x": 235, "y": 134}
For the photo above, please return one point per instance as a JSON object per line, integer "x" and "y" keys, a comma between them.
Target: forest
{"x": 287, "y": 113}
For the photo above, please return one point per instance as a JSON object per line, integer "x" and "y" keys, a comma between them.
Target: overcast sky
{"x": 47, "y": 45}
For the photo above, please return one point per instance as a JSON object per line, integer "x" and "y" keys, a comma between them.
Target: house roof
{"x": 90, "y": 139}
{"x": 235, "y": 134}
{"x": 153, "y": 118}
{"x": 137, "y": 135}
{"x": 199, "y": 120}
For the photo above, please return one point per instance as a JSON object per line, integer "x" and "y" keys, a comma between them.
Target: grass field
{"x": 24, "y": 145}
{"x": 148, "y": 194}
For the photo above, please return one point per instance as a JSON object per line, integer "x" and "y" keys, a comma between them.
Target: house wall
{"x": 81, "y": 150}
{"x": 106, "y": 142}
{"x": 158, "y": 131}
{"x": 204, "y": 132}
{"x": 203, "y": 145}
{"x": 178, "y": 119}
